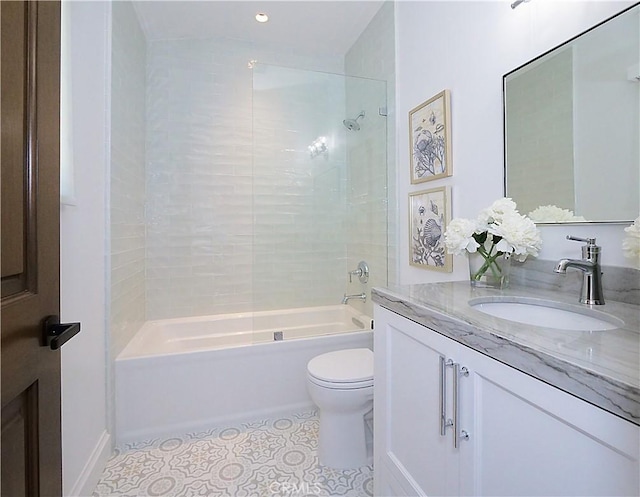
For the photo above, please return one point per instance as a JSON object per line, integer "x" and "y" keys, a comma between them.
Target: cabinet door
{"x": 407, "y": 385}
{"x": 530, "y": 438}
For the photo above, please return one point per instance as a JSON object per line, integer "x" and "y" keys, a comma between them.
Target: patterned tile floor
{"x": 266, "y": 458}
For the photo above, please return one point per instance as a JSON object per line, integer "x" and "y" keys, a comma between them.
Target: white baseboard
{"x": 92, "y": 471}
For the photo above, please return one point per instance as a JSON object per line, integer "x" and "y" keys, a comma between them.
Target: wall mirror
{"x": 572, "y": 132}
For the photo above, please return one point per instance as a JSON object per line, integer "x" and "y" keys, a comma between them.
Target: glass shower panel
{"x": 313, "y": 209}
{"x": 367, "y": 194}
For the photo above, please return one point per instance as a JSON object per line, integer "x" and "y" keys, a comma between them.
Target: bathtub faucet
{"x": 360, "y": 296}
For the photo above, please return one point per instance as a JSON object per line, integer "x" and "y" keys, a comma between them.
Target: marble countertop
{"x": 600, "y": 367}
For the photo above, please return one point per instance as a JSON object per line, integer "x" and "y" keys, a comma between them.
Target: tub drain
{"x": 277, "y": 336}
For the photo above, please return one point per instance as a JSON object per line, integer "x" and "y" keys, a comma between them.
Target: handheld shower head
{"x": 352, "y": 124}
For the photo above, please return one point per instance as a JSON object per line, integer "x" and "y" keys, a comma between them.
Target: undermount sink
{"x": 546, "y": 313}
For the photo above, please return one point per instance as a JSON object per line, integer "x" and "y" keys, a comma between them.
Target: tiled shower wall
{"x": 202, "y": 255}
{"x": 372, "y": 201}
{"x": 127, "y": 176}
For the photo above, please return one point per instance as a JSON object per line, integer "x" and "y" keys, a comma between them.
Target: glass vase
{"x": 489, "y": 270}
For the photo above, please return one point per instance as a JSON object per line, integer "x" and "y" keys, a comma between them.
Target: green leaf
{"x": 480, "y": 237}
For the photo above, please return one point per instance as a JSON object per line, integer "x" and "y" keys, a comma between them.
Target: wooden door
{"x": 30, "y": 66}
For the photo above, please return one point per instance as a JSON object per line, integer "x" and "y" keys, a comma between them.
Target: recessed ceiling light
{"x": 262, "y": 17}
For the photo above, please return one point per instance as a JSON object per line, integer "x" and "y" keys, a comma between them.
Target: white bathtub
{"x": 189, "y": 374}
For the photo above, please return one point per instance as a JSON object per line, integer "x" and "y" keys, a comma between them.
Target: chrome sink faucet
{"x": 591, "y": 292}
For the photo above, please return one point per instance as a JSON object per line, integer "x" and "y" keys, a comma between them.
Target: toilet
{"x": 340, "y": 384}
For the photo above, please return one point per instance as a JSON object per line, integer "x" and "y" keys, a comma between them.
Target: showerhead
{"x": 352, "y": 124}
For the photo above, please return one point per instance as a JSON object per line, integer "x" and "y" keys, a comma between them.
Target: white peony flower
{"x": 497, "y": 210}
{"x": 631, "y": 242}
{"x": 500, "y": 228}
{"x": 554, "y": 214}
{"x": 459, "y": 236}
{"x": 520, "y": 236}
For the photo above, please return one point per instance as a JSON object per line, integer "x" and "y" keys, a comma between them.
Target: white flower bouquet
{"x": 497, "y": 234}
{"x": 631, "y": 242}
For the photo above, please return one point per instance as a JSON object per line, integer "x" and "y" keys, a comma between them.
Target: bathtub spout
{"x": 360, "y": 296}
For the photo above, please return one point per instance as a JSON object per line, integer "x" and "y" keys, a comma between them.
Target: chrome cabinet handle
{"x": 444, "y": 422}
{"x": 456, "y": 403}
{"x": 443, "y": 411}
{"x": 455, "y": 422}
{"x": 457, "y": 433}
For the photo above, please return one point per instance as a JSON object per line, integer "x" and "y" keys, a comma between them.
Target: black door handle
{"x": 56, "y": 333}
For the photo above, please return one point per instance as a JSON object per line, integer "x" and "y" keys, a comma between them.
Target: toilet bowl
{"x": 340, "y": 384}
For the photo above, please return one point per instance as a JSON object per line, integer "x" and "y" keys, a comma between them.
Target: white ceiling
{"x": 309, "y": 27}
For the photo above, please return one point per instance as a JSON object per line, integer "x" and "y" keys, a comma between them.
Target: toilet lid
{"x": 343, "y": 366}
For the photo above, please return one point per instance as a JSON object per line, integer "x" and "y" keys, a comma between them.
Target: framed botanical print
{"x": 430, "y": 139}
{"x": 429, "y": 214}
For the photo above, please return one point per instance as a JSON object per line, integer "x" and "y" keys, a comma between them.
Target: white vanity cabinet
{"x": 517, "y": 435}
{"x": 407, "y": 409}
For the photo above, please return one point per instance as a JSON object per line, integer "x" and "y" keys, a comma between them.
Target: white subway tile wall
{"x": 127, "y": 176}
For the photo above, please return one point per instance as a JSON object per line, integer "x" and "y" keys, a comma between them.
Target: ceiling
{"x": 308, "y": 27}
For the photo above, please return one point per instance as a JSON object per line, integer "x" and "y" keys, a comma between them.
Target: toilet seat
{"x": 345, "y": 385}
{"x": 342, "y": 369}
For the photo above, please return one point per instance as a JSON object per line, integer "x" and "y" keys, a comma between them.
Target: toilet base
{"x": 343, "y": 440}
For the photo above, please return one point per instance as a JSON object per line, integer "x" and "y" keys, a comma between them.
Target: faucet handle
{"x": 589, "y": 251}
{"x": 356, "y": 272}
{"x": 362, "y": 272}
{"x": 588, "y": 241}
